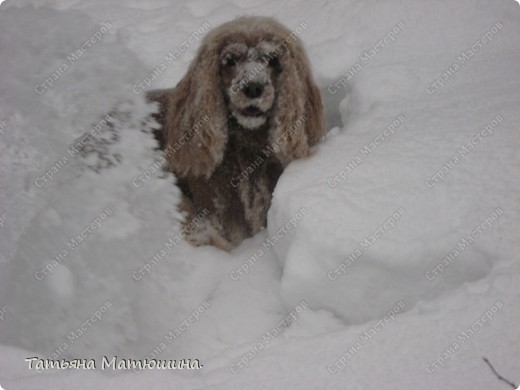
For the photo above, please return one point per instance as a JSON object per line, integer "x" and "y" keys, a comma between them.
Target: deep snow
{"x": 400, "y": 269}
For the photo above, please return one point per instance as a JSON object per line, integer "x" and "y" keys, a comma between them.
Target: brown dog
{"x": 246, "y": 108}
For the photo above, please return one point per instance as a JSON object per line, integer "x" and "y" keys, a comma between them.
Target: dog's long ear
{"x": 195, "y": 124}
{"x": 299, "y": 120}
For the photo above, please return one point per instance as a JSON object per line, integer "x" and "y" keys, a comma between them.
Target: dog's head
{"x": 249, "y": 76}
{"x": 253, "y": 71}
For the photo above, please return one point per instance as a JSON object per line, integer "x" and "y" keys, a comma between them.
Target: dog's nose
{"x": 253, "y": 90}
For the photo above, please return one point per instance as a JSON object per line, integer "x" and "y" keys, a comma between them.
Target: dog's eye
{"x": 274, "y": 62}
{"x": 230, "y": 62}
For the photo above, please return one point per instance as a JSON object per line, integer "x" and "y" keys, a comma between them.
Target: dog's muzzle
{"x": 251, "y": 95}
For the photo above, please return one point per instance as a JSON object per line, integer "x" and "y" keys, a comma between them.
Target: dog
{"x": 247, "y": 106}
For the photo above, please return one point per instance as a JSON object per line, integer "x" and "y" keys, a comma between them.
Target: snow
{"x": 397, "y": 241}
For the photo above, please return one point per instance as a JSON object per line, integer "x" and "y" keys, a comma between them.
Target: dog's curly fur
{"x": 246, "y": 108}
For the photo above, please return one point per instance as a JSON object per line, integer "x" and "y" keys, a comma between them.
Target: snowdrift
{"x": 391, "y": 256}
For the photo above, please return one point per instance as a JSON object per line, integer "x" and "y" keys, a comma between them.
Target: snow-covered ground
{"x": 401, "y": 265}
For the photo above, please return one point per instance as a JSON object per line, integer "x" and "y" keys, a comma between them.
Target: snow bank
{"x": 80, "y": 237}
{"x": 390, "y": 259}
{"x": 414, "y": 197}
